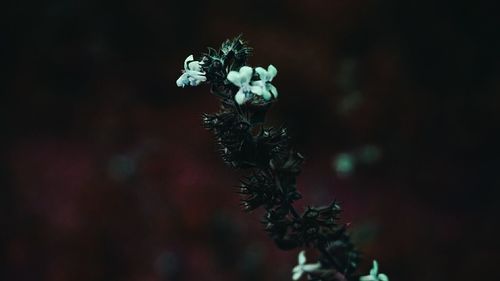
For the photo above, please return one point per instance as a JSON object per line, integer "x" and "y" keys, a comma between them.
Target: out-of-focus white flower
{"x": 304, "y": 267}
{"x": 242, "y": 79}
{"x": 374, "y": 275}
{"x": 192, "y": 74}
{"x": 266, "y": 76}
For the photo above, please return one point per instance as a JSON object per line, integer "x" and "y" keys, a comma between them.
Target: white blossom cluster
{"x": 193, "y": 75}
{"x": 249, "y": 88}
{"x": 303, "y": 267}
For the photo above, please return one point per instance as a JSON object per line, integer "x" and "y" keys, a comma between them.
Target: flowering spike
{"x": 245, "y": 143}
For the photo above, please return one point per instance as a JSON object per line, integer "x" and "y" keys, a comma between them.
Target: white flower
{"x": 242, "y": 79}
{"x": 374, "y": 275}
{"x": 192, "y": 74}
{"x": 304, "y": 267}
{"x": 266, "y": 76}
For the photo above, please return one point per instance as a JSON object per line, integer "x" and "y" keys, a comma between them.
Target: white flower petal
{"x": 302, "y": 257}
{"x": 193, "y": 81}
{"x": 374, "y": 269}
{"x": 194, "y": 66}
{"x": 273, "y": 90}
{"x": 311, "y": 267}
{"x": 197, "y": 75}
{"x": 257, "y": 89}
{"x": 182, "y": 81}
{"x": 240, "y": 97}
{"x": 271, "y": 72}
{"x": 266, "y": 94}
{"x": 262, "y": 73}
{"x": 245, "y": 74}
{"x": 297, "y": 268}
{"x": 235, "y": 78}
{"x": 259, "y": 83}
{"x": 383, "y": 277}
{"x": 367, "y": 278}
{"x": 189, "y": 58}
{"x": 297, "y": 275}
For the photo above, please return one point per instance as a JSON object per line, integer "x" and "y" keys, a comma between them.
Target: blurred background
{"x": 108, "y": 175}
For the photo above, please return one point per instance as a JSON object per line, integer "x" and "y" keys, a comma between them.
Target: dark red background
{"x": 108, "y": 175}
